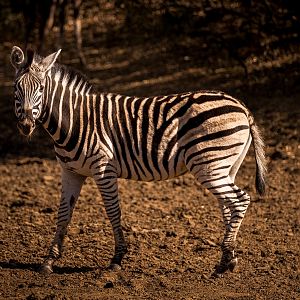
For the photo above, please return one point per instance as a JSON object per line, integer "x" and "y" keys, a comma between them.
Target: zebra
{"x": 109, "y": 136}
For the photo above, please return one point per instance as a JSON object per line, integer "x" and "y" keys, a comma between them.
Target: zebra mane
{"x": 72, "y": 73}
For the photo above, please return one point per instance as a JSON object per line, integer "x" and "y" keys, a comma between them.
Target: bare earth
{"x": 174, "y": 228}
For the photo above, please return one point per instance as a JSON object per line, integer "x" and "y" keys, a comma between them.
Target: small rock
{"x": 206, "y": 192}
{"x": 295, "y": 171}
{"x": 263, "y": 253}
{"x": 201, "y": 248}
{"x": 32, "y": 297}
{"x": 271, "y": 273}
{"x": 209, "y": 243}
{"x": 74, "y": 230}
{"x": 278, "y": 154}
{"x": 47, "y": 179}
{"x": 204, "y": 276}
{"x": 108, "y": 285}
{"x": 47, "y": 210}
{"x": 17, "y": 203}
{"x": 171, "y": 234}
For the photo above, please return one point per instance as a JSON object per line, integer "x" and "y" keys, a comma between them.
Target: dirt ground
{"x": 173, "y": 228}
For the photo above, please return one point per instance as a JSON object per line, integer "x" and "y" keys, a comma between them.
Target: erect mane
{"x": 72, "y": 73}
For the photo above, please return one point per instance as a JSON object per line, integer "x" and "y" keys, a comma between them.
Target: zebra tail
{"x": 261, "y": 161}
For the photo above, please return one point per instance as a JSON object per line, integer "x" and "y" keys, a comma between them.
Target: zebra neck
{"x": 67, "y": 97}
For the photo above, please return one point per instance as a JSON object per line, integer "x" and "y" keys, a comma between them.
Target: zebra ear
{"x": 17, "y": 57}
{"x": 46, "y": 63}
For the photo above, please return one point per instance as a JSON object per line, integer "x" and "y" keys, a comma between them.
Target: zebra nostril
{"x": 26, "y": 126}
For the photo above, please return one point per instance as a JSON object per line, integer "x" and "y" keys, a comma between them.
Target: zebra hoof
{"x": 225, "y": 266}
{"x": 45, "y": 269}
{"x": 232, "y": 264}
{"x": 114, "y": 267}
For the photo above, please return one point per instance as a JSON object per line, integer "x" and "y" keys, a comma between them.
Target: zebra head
{"x": 29, "y": 86}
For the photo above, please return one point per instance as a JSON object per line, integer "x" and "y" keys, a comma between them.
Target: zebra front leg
{"x": 71, "y": 186}
{"x": 108, "y": 187}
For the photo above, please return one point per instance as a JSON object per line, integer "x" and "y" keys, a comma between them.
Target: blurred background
{"x": 249, "y": 48}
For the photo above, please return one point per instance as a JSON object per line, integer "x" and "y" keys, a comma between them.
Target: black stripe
{"x": 231, "y": 197}
{"x": 211, "y": 161}
{"x": 144, "y": 131}
{"x": 84, "y": 126}
{"x": 128, "y": 139}
{"x": 107, "y": 128}
{"x": 213, "y": 179}
{"x": 96, "y": 161}
{"x": 222, "y": 168}
{"x": 65, "y": 124}
{"x": 206, "y": 115}
{"x": 75, "y": 128}
{"x": 229, "y": 192}
{"x": 211, "y": 149}
{"x": 63, "y": 211}
{"x": 133, "y": 117}
{"x": 118, "y": 123}
{"x": 64, "y": 159}
{"x": 53, "y": 123}
{"x": 90, "y": 147}
{"x": 216, "y": 135}
{"x": 91, "y": 121}
{"x": 220, "y": 186}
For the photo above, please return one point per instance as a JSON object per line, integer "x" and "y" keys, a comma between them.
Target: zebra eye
{"x": 41, "y": 89}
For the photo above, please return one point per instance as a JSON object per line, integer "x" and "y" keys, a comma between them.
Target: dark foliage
{"x": 243, "y": 27}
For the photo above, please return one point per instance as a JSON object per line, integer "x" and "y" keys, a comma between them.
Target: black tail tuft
{"x": 260, "y": 183}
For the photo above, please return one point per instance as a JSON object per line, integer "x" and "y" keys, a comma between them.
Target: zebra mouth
{"x": 26, "y": 127}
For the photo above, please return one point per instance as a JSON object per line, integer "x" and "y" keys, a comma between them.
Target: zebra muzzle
{"x": 26, "y": 126}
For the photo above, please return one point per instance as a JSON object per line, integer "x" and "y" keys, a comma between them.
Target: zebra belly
{"x": 80, "y": 165}
{"x": 141, "y": 170}
{"x": 76, "y": 167}
{"x": 154, "y": 178}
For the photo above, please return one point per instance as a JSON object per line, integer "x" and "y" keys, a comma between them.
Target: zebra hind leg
{"x": 71, "y": 186}
{"x": 233, "y": 203}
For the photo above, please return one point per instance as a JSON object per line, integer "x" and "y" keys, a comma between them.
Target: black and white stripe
{"x": 110, "y": 136}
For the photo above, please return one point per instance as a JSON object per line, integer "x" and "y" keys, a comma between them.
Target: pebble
{"x": 278, "y": 154}
{"x": 108, "y": 285}
{"x": 204, "y": 276}
{"x": 209, "y": 242}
